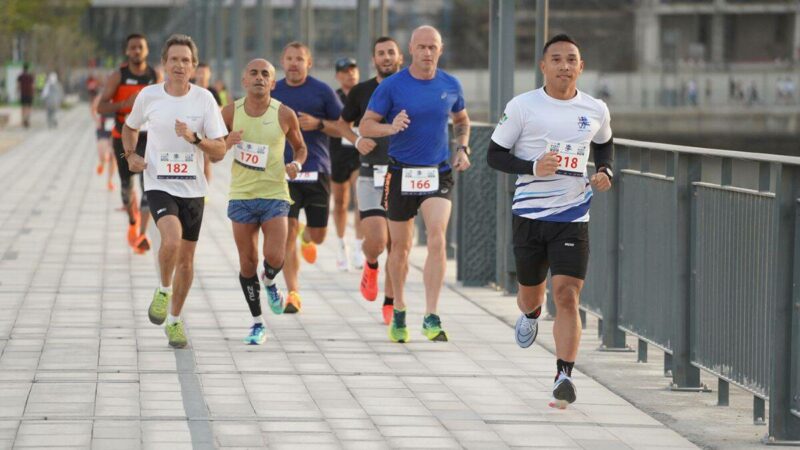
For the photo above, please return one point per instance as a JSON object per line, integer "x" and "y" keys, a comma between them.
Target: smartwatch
{"x": 197, "y": 139}
{"x": 609, "y": 173}
{"x": 466, "y": 149}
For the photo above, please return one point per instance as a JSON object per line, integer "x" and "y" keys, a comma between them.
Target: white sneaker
{"x": 564, "y": 392}
{"x": 358, "y": 255}
{"x": 342, "y": 257}
{"x": 526, "y": 330}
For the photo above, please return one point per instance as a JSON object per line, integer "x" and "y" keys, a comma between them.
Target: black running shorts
{"x": 561, "y": 247}
{"x": 188, "y": 210}
{"x": 314, "y": 198}
{"x": 344, "y": 161}
{"x": 402, "y": 207}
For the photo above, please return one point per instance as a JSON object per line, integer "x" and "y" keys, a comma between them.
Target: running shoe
{"x": 526, "y": 330}
{"x": 133, "y": 234}
{"x": 342, "y": 257}
{"x": 99, "y": 169}
{"x": 388, "y": 312}
{"x": 564, "y": 392}
{"x": 359, "y": 260}
{"x": 369, "y": 283}
{"x": 142, "y": 245}
{"x": 398, "y": 332}
{"x": 293, "y": 303}
{"x": 110, "y": 186}
{"x": 274, "y": 296}
{"x": 158, "y": 307}
{"x": 307, "y": 249}
{"x": 257, "y": 336}
{"x": 432, "y": 328}
{"x": 176, "y": 335}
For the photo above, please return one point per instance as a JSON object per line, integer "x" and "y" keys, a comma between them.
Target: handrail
{"x": 760, "y": 157}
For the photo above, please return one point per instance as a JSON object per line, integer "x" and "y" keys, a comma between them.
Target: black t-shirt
{"x": 336, "y": 143}
{"x": 216, "y": 95}
{"x": 354, "y": 108}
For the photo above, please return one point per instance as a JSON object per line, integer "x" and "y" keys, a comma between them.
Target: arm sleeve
{"x": 333, "y": 106}
{"x": 603, "y": 154}
{"x": 213, "y": 123}
{"x": 136, "y": 118}
{"x": 351, "y": 111}
{"x": 510, "y": 126}
{"x": 381, "y": 100}
{"x": 500, "y": 158}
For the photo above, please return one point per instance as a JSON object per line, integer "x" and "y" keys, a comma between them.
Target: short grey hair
{"x": 180, "y": 39}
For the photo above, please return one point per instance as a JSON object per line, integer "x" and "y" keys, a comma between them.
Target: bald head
{"x": 425, "y": 48}
{"x": 258, "y": 77}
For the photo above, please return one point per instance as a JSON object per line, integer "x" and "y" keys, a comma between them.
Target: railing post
{"x": 613, "y": 337}
{"x": 783, "y": 424}
{"x": 687, "y": 171}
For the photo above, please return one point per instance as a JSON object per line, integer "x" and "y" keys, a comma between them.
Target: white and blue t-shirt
{"x": 428, "y": 104}
{"x": 534, "y": 123}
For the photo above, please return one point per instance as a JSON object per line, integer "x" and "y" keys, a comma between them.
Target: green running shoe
{"x": 176, "y": 335}
{"x": 158, "y": 307}
{"x": 432, "y": 328}
{"x": 274, "y": 297}
{"x": 257, "y": 336}
{"x": 398, "y": 332}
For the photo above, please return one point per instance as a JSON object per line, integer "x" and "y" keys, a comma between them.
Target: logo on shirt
{"x": 444, "y": 95}
{"x": 583, "y": 123}
{"x": 502, "y": 119}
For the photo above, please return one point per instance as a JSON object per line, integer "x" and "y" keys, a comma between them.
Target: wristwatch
{"x": 197, "y": 139}
{"x": 298, "y": 165}
{"x": 321, "y": 125}
{"x": 609, "y": 173}
{"x": 466, "y": 149}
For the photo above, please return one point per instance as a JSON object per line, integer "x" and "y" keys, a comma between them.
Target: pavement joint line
{"x": 194, "y": 404}
{"x": 283, "y": 373}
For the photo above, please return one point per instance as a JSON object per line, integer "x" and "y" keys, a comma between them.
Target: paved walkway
{"x": 81, "y": 366}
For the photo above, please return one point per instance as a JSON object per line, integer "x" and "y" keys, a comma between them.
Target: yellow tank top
{"x": 251, "y": 177}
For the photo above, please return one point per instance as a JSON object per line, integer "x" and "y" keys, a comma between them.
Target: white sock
{"x": 341, "y": 242}
{"x": 172, "y": 319}
{"x": 269, "y": 281}
{"x": 358, "y": 244}
{"x": 258, "y": 319}
{"x": 166, "y": 290}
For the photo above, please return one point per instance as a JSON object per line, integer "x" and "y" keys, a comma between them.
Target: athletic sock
{"x": 388, "y": 300}
{"x": 373, "y": 265}
{"x": 564, "y": 366}
{"x": 165, "y": 290}
{"x": 250, "y": 289}
{"x": 258, "y": 319}
{"x": 270, "y": 273}
{"x": 534, "y": 314}
{"x": 172, "y": 319}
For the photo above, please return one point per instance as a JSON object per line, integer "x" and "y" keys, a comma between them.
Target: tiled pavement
{"x": 82, "y": 367}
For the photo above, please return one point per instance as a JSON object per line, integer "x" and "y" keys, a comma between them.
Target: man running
{"x": 104, "y": 123}
{"x": 388, "y": 59}
{"x": 318, "y": 111}
{"x": 344, "y": 173}
{"x": 202, "y": 78}
{"x": 259, "y": 196}
{"x": 186, "y": 127}
{"x": 119, "y": 93}
{"x": 417, "y": 102}
{"x": 551, "y": 131}
{"x": 25, "y": 87}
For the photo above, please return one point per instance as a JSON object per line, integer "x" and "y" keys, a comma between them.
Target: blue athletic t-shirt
{"x": 428, "y": 104}
{"x": 317, "y": 99}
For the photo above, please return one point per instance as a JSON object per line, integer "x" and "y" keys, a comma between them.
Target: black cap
{"x": 344, "y": 62}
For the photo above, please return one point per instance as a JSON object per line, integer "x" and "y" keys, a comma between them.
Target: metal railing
{"x": 695, "y": 251}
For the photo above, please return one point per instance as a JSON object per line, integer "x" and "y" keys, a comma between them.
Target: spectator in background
{"x": 25, "y": 86}
{"x": 691, "y": 92}
{"x": 222, "y": 92}
{"x": 52, "y": 94}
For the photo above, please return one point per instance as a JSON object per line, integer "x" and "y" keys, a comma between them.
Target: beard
{"x": 386, "y": 73}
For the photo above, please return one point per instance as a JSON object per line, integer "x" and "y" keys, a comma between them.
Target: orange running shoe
{"x": 99, "y": 169}
{"x": 293, "y": 303}
{"x": 110, "y": 185}
{"x": 142, "y": 245}
{"x": 369, "y": 283}
{"x": 309, "y": 251}
{"x": 388, "y": 312}
{"x": 133, "y": 234}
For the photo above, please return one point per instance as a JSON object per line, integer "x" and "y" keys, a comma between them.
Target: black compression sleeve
{"x": 603, "y": 154}
{"x": 500, "y": 158}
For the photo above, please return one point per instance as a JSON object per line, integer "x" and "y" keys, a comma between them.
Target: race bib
{"x": 177, "y": 166}
{"x": 252, "y": 156}
{"x": 305, "y": 177}
{"x": 420, "y": 180}
{"x": 379, "y": 175}
{"x": 108, "y": 124}
{"x": 347, "y": 142}
{"x": 572, "y": 157}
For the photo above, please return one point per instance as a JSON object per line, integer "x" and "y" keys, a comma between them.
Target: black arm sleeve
{"x": 500, "y": 158}
{"x": 603, "y": 154}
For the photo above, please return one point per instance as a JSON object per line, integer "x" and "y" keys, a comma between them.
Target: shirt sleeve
{"x": 136, "y": 118}
{"x": 351, "y": 111}
{"x": 604, "y": 133}
{"x": 381, "y": 100}
{"x": 213, "y": 124}
{"x": 460, "y": 103}
{"x": 510, "y": 126}
{"x": 333, "y": 106}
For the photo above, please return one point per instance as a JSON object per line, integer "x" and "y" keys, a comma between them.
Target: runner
{"x": 104, "y": 123}
{"x": 551, "y": 131}
{"x": 417, "y": 102}
{"x": 388, "y": 59}
{"x": 259, "y": 194}
{"x": 318, "y": 111}
{"x": 202, "y": 78}
{"x": 344, "y": 173}
{"x": 186, "y": 127}
{"x": 120, "y": 92}
{"x": 25, "y": 86}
